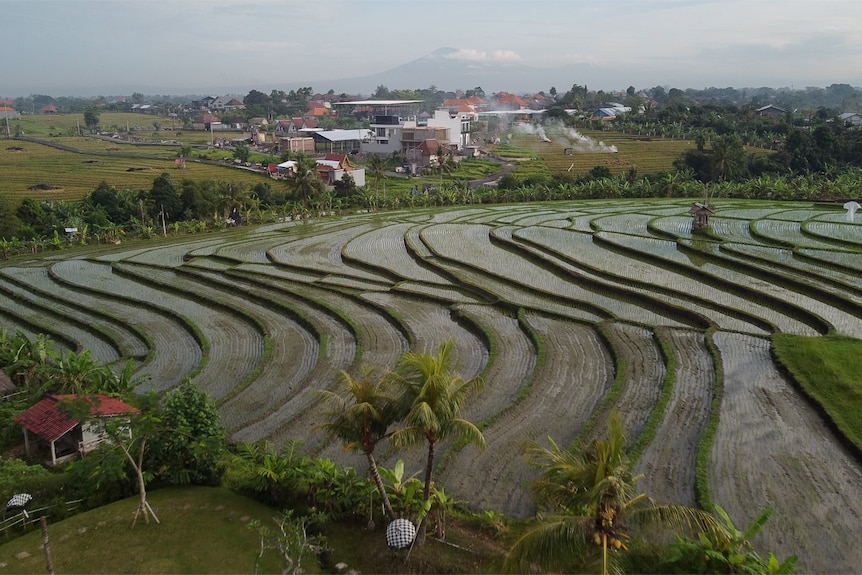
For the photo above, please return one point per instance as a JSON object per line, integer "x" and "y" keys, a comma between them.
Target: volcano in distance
{"x": 445, "y": 69}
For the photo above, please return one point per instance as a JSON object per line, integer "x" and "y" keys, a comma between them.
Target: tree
{"x": 728, "y": 157}
{"x": 190, "y": 449}
{"x": 164, "y": 200}
{"x": 592, "y": 498}
{"x": 431, "y": 395}
{"x": 27, "y": 357}
{"x": 131, "y": 436}
{"x": 445, "y": 163}
{"x": 76, "y": 373}
{"x": 377, "y": 167}
{"x": 306, "y": 184}
{"x": 290, "y": 539}
{"x": 242, "y": 152}
{"x": 360, "y": 416}
{"x": 381, "y": 92}
{"x": 345, "y": 187}
{"x": 91, "y": 119}
{"x": 10, "y": 225}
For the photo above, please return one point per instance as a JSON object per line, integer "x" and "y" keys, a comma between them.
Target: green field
{"x": 145, "y": 153}
{"x": 27, "y": 166}
{"x": 568, "y": 155}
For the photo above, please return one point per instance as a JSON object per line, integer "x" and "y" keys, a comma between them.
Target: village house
{"x": 318, "y": 109}
{"x": 507, "y": 101}
{"x": 225, "y": 104}
{"x": 49, "y": 425}
{"x": 332, "y": 167}
{"x": 344, "y": 141}
{"x": 388, "y": 118}
{"x": 296, "y": 127}
{"x": 770, "y": 110}
{"x": 851, "y": 118}
{"x": 8, "y": 113}
{"x": 413, "y": 138}
{"x": 207, "y": 122}
{"x": 296, "y": 144}
{"x": 610, "y": 111}
{"x": 458, "y": 121}
{"x": 426, "y": 155}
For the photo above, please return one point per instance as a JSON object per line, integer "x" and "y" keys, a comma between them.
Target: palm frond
{"x": 558, "y": 543}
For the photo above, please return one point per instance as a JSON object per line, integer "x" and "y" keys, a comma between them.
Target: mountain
{"x": 445, "y": 70}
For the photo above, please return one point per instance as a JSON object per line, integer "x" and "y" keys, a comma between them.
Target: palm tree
{"x": 360, "y": 417}
{"x": 377, "y": 168}
{"x": 431, "y": 396}
{"x": 231, "y": 197}
{"x": 593, "y": 499}
{"x": 445, "y": 163}
{"x": 728, "y": 157}
{"x": 305, "y": 184}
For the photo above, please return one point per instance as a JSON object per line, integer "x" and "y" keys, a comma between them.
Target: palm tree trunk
{"x": 372, "y": 466}
{"x": 429, "y": 468}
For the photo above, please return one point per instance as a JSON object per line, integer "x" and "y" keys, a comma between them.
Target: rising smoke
{"x": 556, "y": 133}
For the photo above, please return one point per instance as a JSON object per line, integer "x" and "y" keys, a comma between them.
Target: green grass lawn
{"x": 202, "y": 530}
{"x": 829, "y": 369}
{"x": 206, "y": 530}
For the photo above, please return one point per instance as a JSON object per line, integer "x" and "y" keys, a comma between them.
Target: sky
{"x": 116, "y": 47}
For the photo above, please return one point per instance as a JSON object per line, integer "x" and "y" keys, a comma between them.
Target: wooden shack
{"x": 700, "y": 216}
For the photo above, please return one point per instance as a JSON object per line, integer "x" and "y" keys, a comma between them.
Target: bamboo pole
{"x": 49, "y": 563}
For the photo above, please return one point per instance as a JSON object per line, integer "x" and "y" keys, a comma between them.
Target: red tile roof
{"x": 48, "y": 420}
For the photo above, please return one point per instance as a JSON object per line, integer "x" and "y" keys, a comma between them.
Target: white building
{"x": 387, "y": 118}
{"x": 458, "y": 122}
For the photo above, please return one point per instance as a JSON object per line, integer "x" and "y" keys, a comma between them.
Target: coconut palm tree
{"x": 377, "y": 169}
{"x": 305, "y": 183}
{"x": 728, "y": 157}
{"x": 431, "y": 395}
{"x": 360, "y": 416}
{"x": 593, "y": 502}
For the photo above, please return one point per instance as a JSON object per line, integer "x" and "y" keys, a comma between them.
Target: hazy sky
{"x": 85, "y": 47}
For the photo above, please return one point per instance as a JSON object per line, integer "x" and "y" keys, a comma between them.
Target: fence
{"x": 31, "y": 517}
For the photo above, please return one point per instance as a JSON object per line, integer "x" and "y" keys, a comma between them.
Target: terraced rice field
{"x": 567, "y": 310}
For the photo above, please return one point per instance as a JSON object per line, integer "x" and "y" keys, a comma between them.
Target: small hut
{"x": 48, "y": 425}
{"x": 700, "y": 216}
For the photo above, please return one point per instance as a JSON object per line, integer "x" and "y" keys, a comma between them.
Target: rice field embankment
{"x": 568, "y": 309}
